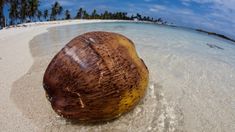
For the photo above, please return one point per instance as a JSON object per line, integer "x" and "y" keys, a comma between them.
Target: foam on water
{"x": 192, "y": 85}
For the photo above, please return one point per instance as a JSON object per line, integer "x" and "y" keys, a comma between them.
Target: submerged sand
{"x": 180, "y": 96}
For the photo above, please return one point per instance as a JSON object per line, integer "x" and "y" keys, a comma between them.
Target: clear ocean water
{"x": 191, "y": 88}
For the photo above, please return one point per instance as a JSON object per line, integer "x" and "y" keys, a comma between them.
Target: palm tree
{"x": 32, "y": 8}
{"x": 94, "y": 14}
{"x": 39, "y": 15}
{"x": 159, "y": 20}
{"x": 139, "y": 17}
{"x": 85, "y": 15}
{"x": 110, "y": 15}
{"x": 144, "y": 18}
{"x": 23, "y": 10}
{"x": 13, "y": 12}
{"x": 106, "y": 15}
{"x": 60, "y": 10}
{"x": 67, "y": 15}
{"x": 148, "y": 18}
{"x": 132, "y": 17}
{"x": 80, "y": 14}
{"x": 45, "y": 14}
{"x": 2, "y": 17}
{"x": 124, "y": 16}
{"x": 56, "y": 10}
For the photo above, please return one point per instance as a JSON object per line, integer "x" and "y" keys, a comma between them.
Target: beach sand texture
{"x": 188, "y": 91}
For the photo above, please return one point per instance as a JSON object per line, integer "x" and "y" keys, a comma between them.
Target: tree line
{"x": 22, "y": 11}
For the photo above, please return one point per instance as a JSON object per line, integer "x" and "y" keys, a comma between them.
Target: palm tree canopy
{"x": 56, "y": 9}
{"x": 45, "y": 14}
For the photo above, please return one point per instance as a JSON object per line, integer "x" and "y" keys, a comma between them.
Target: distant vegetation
{"x": 216, "y": 34}
{"x": 22, "y": 11}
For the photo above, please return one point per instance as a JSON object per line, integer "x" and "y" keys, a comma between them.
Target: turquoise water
{"x": 192, "y": 79}
{"x": 184, "y": 41}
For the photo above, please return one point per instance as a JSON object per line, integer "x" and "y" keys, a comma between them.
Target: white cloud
{"x": 174, "y": 10}
{"x": 224, "y": 5}
{"x": 147, "y": 0}
{"x": 157, "y": 8}
{"x": 185, "y": 3}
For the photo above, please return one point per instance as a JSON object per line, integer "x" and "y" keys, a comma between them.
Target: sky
{"x": 213, "y": 15}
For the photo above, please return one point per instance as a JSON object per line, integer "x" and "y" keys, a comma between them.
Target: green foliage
{"x": 13, "y": 12}
{"x": 80, "y": 14}
{"x": 32, "y": 8}
{"x": 39, "y": 15}
{"x": 45, "y": 14}
{"x": 67, "y": 15}
{"x": 23, "y": 10}
{"x": 56, "y": 9}
{"x": 2, "y": 17}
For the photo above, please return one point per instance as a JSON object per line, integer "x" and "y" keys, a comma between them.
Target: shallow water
{"x": 192, "y": 80}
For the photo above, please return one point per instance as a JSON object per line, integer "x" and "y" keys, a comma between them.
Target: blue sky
{"x": 213, "y": 15}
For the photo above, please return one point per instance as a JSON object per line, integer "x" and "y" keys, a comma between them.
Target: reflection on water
{"x": 119, "y": 27}
{"x": 214, "y": 46}
{"x": 187, "y": 92}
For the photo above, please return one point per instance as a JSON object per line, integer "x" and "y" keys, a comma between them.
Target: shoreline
{"x": 80, "y": 21}
{"x": 66, "y": 22}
